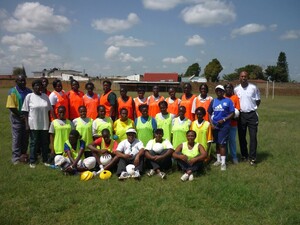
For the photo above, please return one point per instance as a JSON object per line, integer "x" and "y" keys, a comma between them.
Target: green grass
{"x": 266, "y": 194}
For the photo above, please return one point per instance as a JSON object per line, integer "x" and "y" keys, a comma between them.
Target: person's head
{"x": 191, "y": 136}
{"x": 244, "y": 78}
{"x": 123, "y": 114}
{"x": 155, "y": 90}
{"x": 82, "y": 111}
{"x": 181, "y": 111}
{"x": 101, "y": 111}
{"x": 74, "y": 85}
{"x": 123, "y": 92}
{"x": 172, "y": 92}
{"x": 144, "y": 110}
{"x": 228, "y": 89}
{"x": 187, "y": 88}
{"x": 131, "y": 134}
{"x": 203, "y": 89}
{"x": 61, "y": 112}
{"x": 106, "y": 86}
{"x": 45, "y": 82}
{"x": 163, "y": 106}
{"x": 141, "y": 92}
{"x": 105, "y": 133}
{"x": 220, "y": 91}
{"x": 200, "y": 113}
{"x": 21, "y": 81}
{"x": 158, "y": 134}
{"x": 89, "y": 87}
{"x": 74, "y": 136}
{"x": 37, "y": 86}
{"x": 57, "y": 85}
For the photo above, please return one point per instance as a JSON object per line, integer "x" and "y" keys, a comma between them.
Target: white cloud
{"x": 177, "y": 60}
{"x": 111, "y": 25}
{"x": 111, "y": 52}
{"x": 208, "y": 13}
{"x": 85, "y": 59}
{"x": 195, "y": 40}
{"x": 290, "y": 34}
{"x": 34, "y": 17}
{"x": 125, "y": 57}
{"x": 127, "y": 68}
{"x": 122, "y": 41}
{"x": 273, "y": 27}
{"x": 248, "y": 29}
{"x": 161, "y": 4}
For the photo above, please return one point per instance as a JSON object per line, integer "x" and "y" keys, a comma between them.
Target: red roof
{"x": 167, "y": 77}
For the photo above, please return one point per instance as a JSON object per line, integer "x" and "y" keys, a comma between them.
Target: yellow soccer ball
{"x": 86, "y": 175}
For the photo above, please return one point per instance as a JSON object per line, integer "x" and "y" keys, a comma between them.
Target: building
{"x": 161, "y": 77}
{"x": 64, "y": 75}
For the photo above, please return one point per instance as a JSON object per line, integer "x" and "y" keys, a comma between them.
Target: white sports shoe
{"x": 136, "y": 174}
{"x": 151, "y": 173}
{"x": 32, "y": 165}
{"x": 162, "y": 175}
{"x": 185, "y": 177}
{"x": 223, "y": 167}
{"x": 124, "y": 175}
{"x": 217, "y": 163}
{"x": 191, "y": 177}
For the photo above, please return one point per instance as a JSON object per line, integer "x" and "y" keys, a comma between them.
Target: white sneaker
{"x": 162, "y": 175}
{"x": 151, "y": 173}
{"x": 191, "y": 177}
{"x": 124, "y": 175}
{"x": 46, "y": 164}
{"x": 185, "y": 177}
{"x": 223, "y": 166}
{"x": 136, "y": 174}
{"x": 32, "y": 165}
{"x": 217, "y": 163}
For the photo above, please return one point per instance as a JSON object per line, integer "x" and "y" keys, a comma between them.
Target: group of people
{"x": 78, "y": 131}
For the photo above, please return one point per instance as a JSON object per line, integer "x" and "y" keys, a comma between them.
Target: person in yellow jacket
{"x": 190, "y": 156}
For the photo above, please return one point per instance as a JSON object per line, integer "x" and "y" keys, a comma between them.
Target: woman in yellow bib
{"x": 190, "y": 156}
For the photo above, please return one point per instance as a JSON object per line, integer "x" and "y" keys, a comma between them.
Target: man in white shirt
{"x": 130, "y": 151}
{"x": 249, "y": 97}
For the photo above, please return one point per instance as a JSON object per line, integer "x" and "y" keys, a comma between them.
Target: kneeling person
{"x": 159, "y": 154}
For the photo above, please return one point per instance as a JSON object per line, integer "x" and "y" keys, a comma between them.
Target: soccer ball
{"x": 105, "y": 159}
{"x": 130, "y": 169}
{"x": 86, "y": 175}
{"x": 158, "y": 148}
{"x": 105, "y": 174}
{"x": 236, "y": 113}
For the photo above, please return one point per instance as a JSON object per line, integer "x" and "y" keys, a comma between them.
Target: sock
{"x": 219, "y": 157}
{"x": 223, "y": 159}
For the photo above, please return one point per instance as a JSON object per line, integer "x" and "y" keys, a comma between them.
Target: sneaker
{"x": 32, "y": 165}
{"x": 162, "y": 175}
{"x": 235, "y": 161}
{"x": 151, "y": 173}
{"x": 244, "y": 159}
{"x": 46, "y": 164}
{"x": 223, "y": 166}
{"x": 124, "y": 175}
{"x": 217, "y": 163}
{"x": 136, "y": 174}
{"x": 191, "y": 177}
{"x": 252, "y": 162}
{"x": 16, "y": 162}
{"x": 185, "y": 177}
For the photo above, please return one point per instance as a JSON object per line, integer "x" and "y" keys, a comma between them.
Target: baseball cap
{"x": 131, "y": 130}
{"x": 220, "y": 87}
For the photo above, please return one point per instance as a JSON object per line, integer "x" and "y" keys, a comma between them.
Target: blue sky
{"x": 123, "y": 37}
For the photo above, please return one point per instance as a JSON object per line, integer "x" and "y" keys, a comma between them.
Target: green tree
{"x": 193, "y": 69}
{"x": 212, "y": 70}
{"x": 18, "y": 71}
{"x": 272, "y": 73}
{"x": 255, "y": 72}
{"x": 231, "y": 76}
{"x": 282, "y": 67}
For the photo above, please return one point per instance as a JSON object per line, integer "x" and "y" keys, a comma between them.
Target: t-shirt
{"x": 165, "y": 143}
{"x": 100, "y": 143}
{"x": 248, "y": 97}
{"x": 130, "y": 148}
{"x": 16, "y": 97}
{"x": 219, "y": 109}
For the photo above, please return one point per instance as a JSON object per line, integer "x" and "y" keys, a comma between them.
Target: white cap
{"x": 220, "y": 87}
{"x": 59, "y": 160}
{"x": 131, "y": 130}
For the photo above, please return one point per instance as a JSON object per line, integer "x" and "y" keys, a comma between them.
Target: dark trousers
{"x": 250, "y": 121}
{"x": 186, "y": 166}
{"x": 39, "y": 139}
{"x": 124, "y": 162}
{"x": 163, "y": 164}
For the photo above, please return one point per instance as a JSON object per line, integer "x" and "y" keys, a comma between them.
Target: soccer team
{"x": 79, "y": 131}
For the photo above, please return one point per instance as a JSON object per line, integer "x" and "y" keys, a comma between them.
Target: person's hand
{"x": 192, "y": 161}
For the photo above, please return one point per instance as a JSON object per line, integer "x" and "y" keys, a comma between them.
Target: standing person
{"x": 173, "y": 102}
{"x": 139, "y": 100}
{"x": 231, "y": 145}
{"x": 36, "y": 108}
{"x": 122, "y": 124}
{"x": 190, "y": 156}
{"x": 75, "y": 97}
{"x": 164, "y": 119}
{"x": 125, "y": 101}
{"x": 159, "y": 152}
{"x": 14, "y": 103}
{"x": 145, "y": 125}
{"x": 180, "y": 125}
{"x": 91, "y": 101}
{"x": 203, "y": 100}
{"x": 249, "y": 96}
{"x": 84, "y": 126}
{"x": 102, "y": 122}
{"x": 45, "y": 83}
{"x": 187, "y": 100}
{"x": 130, "y": 151}
{"x": 58, "y": 98}
{"x": 109, "y": 100}
{"x": 221, "y": 111}
{"x": 153, "y": 101}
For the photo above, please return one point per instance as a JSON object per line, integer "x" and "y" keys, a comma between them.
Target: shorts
{"x": 221, "y": 135}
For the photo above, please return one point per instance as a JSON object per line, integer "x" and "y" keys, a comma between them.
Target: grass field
{"x": 266, "y": 194}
